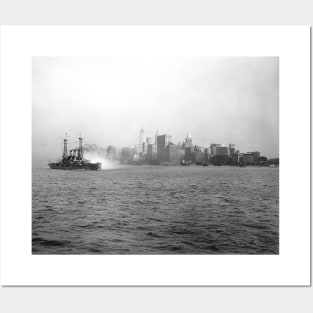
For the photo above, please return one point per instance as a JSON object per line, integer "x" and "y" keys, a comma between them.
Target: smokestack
{"x": 80, "y": 153}
{"x": 65, "y": 147}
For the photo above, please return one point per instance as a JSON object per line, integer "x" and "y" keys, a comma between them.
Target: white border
{"x": 290, "y": 43}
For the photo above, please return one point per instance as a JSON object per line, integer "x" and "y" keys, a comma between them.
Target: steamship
{"x": 74, "y": 160}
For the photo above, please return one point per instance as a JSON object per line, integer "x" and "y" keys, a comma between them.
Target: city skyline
{"x": 222, "y": 100}
{"x": 162, "y": 150}
{"x": 74, "y": 143}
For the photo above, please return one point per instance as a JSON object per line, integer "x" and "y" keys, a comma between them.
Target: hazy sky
{"x": 108, "y": 99}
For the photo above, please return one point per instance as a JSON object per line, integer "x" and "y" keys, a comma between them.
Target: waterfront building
{"x": 111, "y": 153}
{"x": 213, "y": 147}
{"x": 232, "y": 149}
{"x": 222, "y": 150}
{"x": 198, "y": 157}
{"x": 175, "y": 154}
{"x": 251, "y": 158}
{"x": 263, "y": 161}
{"x": 152, "y": 154}
{"x": 126, "y": 155}
{"x": 248, "y": 158}
{"x": 256, "y": 156}
{"x": 218, "y": 149}
{"x": 220, "y": 159}
{"x": 235, "y": 158}
{"x": 162, "y": 151}
{"x": 206, "y": 154}
{"x": 189, "y": 154}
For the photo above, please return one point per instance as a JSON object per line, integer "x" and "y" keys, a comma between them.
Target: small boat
{"x": 185, "y": 163}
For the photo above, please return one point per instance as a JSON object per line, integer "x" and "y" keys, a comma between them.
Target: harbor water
{"x": 156, "y": 210}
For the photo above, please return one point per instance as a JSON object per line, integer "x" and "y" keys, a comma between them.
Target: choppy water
{"x": 156, "y": 210}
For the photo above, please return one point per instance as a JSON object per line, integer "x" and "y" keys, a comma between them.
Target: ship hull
{"x": 73, "y": 166}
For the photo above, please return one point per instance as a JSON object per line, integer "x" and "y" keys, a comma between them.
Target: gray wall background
{"x": 154, "y": 299}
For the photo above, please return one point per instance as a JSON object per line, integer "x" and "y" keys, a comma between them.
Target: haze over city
{"x": 108, "y": 99}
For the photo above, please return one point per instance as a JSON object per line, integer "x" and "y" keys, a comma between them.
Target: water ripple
{"x": 156, "y": 210}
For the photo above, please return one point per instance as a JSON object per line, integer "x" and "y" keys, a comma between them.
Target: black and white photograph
{"x": 155, "y": 155}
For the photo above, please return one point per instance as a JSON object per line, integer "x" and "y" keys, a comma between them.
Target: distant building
{"x": 156, "y": 137}
{"x": 111, "y": 153}
{"x": 213, "y": 147}
{"x": 196, "y": 154}
{"x": 206, "y": 154}
{"x": 136, "y": 157}
{"x": 251, "y": 158}
{"x": 189, "y": 154}
{"x": 220, "y": 159}
{"x": 198, "y": 157}
{"x": 162, "y": 151}
{"x": 263, "y": 161}
{"x": 138, "y": 148}
{"x": 256, "y": 156}
{"x": 152, "y": 154}
{"x": 170, "y": 139}
{"x": 188, "y": 141}
{"x": 235, "y": 158}
{"x": 126, "y": 155}
{"x": 142, "y": 136}
{"x": 175, "y": 154}
{"x": 248, "y": 158}
{"x": 218, "y": 149}
{"x": 222, "y": 150}
{"x": 149, "y": 140}
{"x": 232, "y": 149}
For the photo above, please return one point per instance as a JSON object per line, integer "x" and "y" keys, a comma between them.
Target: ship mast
{"x": 65, "y": 147}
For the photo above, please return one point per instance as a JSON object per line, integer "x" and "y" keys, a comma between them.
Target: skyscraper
{"x": 156, "y": 137}
{"x": 188, "y": 141}
{"x": 142, "y": 136}
{"x": 162, "y": 151}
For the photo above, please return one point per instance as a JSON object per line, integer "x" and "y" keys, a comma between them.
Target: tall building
{"x": 156, "y": 137}
{"x": 170, "y": 139}
{"x": 188, "y": 141}
{"x": 152, "y": 152}
{"x": 219, "y": 154}
{"x": 190, "y": 154}
{"x": 162, "y": 151}
{"x": 218, "y": 149}
{"x": 206, "y": 154}
{"x": 149, "y": 141}
{"x": 213, "y": 147}
{"x": 138, "y": 149}
{"x": 142, "y": 136}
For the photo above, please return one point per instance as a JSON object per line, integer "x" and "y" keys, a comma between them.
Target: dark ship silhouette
{"x": 74, "y": 160}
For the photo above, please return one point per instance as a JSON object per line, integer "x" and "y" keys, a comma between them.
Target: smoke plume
{"x": 94, "y": 154}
